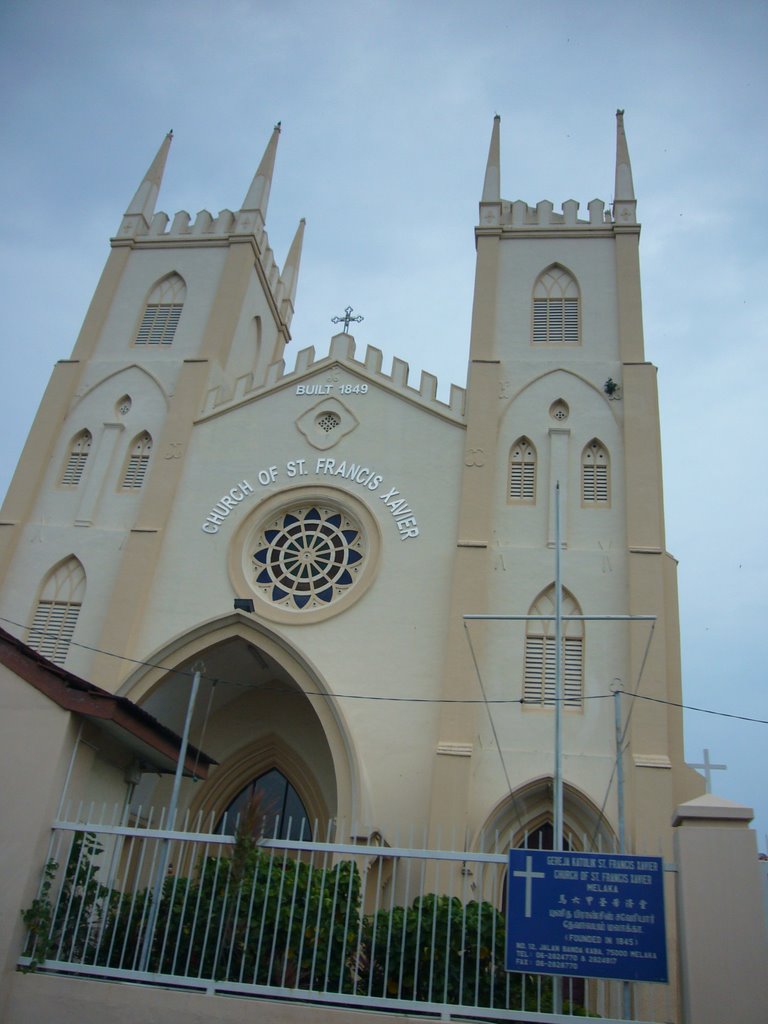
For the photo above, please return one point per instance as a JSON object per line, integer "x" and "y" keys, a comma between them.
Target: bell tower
{"x": 183, "y": 306}
{"x": 560, "y": 400}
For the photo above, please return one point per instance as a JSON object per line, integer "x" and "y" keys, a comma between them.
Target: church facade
{"x": 316, "y": 537}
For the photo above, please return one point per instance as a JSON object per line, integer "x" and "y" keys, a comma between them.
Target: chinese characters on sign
{"x": 585, "y": 914}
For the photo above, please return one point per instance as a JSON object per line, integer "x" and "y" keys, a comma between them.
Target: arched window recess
{"x": 539, "y": 668}
{"x": 556, "y": 308}
{"x": 162, "y": 312}
{"x": 57, "y": 610}
{"x": 137, "y": 462}
{"x": 595, "y": 475}
{"x": 522, "y": 473}
{"x": 74, "y": 467}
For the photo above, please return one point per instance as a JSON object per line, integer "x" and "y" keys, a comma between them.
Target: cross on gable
{"x": 346, "y": 319}
{"x": 708, "y": 768}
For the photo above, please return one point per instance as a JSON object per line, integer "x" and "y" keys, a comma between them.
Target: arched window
{"x": 57, "y": 610}
{"x": 539, "y": 680}
{"x": 556, "y": 308}
{"x": 542, "y": 838}
{"x": 137, "y": 462}
{"x": 595, "y": 475}
{"x": 162, "y": 312}
{"x": 75, "y": 464}
{"x": 522, "y": 472}
{"x": 275, "y": 808}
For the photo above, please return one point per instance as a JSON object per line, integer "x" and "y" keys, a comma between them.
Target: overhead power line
{"x": 389, "y": 698}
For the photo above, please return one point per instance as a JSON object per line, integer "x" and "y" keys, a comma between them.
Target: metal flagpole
{"x": 619, "y": 764}
{"x": 625, "y": 987}
{"x": 557, "y": 795}
{"x": 157, "y": 892}
{"x": 557, "y": 811}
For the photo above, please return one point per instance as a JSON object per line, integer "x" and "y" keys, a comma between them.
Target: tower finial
{"x": 257, "y": 196}
{"x": 290, "y": 274}
{"x": 624, "y": 188}
{"x": 143, "y": 203}
{"x": 492, "y": 183}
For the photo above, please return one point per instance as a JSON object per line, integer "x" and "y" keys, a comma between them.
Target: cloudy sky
{"x": 386, "y": 110}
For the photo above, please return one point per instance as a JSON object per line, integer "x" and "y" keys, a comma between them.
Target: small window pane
{"x": 280, "y": 811}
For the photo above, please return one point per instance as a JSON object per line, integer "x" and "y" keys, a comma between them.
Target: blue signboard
{"x": 586, "y": 914}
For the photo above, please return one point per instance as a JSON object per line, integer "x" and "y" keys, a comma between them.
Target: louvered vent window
{"x": 159, "y": 324}
{"x": 539, "y": 677}
{"x": 138, "y": 462}
{"x": 162, "y": 312}
{"x": 76, "y": 460}
{"x": 556, "y": 309}
{"x": 522, "y": 472}
{"x": 52, "y": 629}
{"x": 595, "y": 477}
{"x": 55, "y": 618}
{"x": 540, "y": 682}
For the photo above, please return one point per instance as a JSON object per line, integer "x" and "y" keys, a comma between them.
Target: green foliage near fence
{"x": 257, "y": 917}
{"x": 440, "y": 950}
{"x": 281, "y": 923}
{"x": 53, "y": 930}
{"x": 246, "y": 916}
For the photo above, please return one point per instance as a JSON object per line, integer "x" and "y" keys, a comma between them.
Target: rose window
{"x": 308, "y": 557}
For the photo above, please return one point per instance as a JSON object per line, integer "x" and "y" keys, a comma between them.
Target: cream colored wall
{"x": 145, "y": 550}
{"x": 82, "y": 770}
{"x": 521, "y": 381}
{"x": 105, "y": 514}
{"x": 591, "y": 261}
{"x": 79, "y": 1001}
{"x": 200, "y": 267}
{"x": 244, "y": 355}
{"x": 29, "y": 723}
{"x": 723, "y": 932}
{"x": 389, "y": 642}
{"x": 594, "y": 570}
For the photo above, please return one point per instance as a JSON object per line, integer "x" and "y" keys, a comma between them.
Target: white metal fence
{"x": 350, "y": 924}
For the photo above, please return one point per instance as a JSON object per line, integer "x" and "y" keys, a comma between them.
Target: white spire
{"x": 492, "y": 183}
{"x": 624, "y": 204}
{"x": 257, "y": 196}
{"x": 143, "y": 203}
{"x": 290, "y": 274}
{"x": 624, "y": 187}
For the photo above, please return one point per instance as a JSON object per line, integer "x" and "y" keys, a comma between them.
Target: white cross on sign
{"x": 708, "y": 768}
{"x": 529, "y": 874}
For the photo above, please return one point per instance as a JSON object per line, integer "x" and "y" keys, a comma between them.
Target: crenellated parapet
{"x": 182, "y": 228}
{"x": 520, "y": 215}
{"x": 341, "y": 354}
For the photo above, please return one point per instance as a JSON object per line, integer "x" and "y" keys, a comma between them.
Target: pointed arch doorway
{"x": 267, "y": 719}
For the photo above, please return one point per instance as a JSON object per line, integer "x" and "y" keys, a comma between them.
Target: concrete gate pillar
{"x": 721, "y": 925}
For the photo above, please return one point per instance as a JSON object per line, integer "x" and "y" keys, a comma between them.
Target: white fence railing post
{"x": 416, "y": 930}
